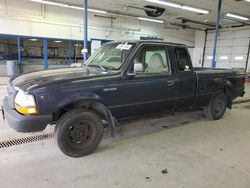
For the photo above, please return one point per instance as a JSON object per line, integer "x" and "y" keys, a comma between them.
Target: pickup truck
{"x": 122, "y": 80}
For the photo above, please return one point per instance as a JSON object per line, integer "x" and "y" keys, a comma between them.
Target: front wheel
{"x": 79, "y": 132}
{"x": 216, "y": 107}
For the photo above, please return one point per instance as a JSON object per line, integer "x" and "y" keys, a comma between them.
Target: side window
{"x": 152, "y": 60}
{"x": 182, "y": 58}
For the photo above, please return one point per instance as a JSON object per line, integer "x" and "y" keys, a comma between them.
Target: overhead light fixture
{"x": 209, "y": 57}
{"x": 247, "y": 1}
{"x": 97, "y": 11}
{"x": 175, "y": 5}
{"x": 238, "y": 58}
{"x": 69, "y": 6}
{"x": 89, "y": 9}
{"x": 237, "y": 16}
{"x": 33, "y": 40}
{"x": 194, "y": 9}
{"x": 57, "y": 41}
{"x": 50, "y": 3}
{"x": 165, "y": 3}
{"x": 150, "y": 20}
{"x": 223, "y": 57}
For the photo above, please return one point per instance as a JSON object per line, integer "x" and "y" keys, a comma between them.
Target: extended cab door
{"x": 185, "y": 76}
{"x": 153, "y": 89}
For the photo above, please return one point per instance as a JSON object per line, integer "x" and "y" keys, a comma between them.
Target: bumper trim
{"x": 24, "y": 123}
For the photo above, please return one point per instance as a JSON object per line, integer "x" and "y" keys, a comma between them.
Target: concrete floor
{"x": 192, "y": 151}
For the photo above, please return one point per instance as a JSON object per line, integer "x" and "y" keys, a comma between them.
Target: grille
{"x": 20, "y": 141}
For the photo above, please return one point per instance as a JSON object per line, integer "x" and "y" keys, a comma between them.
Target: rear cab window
{"x": 182, "y": 59}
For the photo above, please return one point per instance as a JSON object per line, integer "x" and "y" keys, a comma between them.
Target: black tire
{"x": 79, "y": 132}
{"x": 216, "y": 107}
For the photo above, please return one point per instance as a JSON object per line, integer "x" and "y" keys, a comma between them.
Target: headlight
{"x": 25, "y": 103}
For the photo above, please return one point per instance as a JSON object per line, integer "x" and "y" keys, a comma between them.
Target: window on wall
{"x": 8, "y": 49}
{"x": 76, "y": 51}
{"x": 58, "y": 52}
{"x": 77, "y": 47}
{"x": 31, "y": 50}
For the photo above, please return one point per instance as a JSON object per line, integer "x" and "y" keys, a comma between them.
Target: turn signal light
{"x": 26, "y": 110}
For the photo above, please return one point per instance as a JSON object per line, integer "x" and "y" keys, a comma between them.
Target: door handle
{"x": 171, "y": 82}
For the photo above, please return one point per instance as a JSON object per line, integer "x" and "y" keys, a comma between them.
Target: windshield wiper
{"x": 96, "y": 64}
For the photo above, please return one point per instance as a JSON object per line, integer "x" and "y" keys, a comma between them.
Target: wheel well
{"x": 95, "y": 106}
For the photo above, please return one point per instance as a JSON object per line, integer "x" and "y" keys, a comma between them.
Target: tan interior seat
{"x": 156, "y": 64}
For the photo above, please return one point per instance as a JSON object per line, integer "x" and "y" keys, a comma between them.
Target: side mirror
{"x": 138, "y": 67}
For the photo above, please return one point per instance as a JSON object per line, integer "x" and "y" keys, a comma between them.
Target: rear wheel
{"x": 79, "y": 132}
{"x": 217, "y": 107}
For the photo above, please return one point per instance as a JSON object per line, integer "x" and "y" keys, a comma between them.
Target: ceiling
{"x": 174, "y": 15}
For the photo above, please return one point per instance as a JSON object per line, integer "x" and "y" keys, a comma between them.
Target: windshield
{"x": 111, "y": 56}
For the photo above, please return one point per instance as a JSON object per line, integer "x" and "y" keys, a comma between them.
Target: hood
{"x": 34, "y": 79}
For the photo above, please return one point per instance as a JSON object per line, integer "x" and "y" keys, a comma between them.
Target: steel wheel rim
{"x": 219, "y": 106}
{"x": 81, "y": 134}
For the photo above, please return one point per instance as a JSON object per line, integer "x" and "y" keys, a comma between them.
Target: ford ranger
{"x": 122, "y": 80}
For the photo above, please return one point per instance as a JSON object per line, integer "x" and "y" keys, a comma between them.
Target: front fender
{"x": 79, "y": 97}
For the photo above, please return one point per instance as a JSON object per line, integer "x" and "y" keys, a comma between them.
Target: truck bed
{"x": 201, "y": 70}
{"x": 210, "y": 80}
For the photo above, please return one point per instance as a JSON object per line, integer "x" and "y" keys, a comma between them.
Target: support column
{"x": 216, "y": 32}
{"x": 45, "y": 53}
{"x": 85, "y": 35}
{"x": 70, "y": 51}
{"x": 247, "y": 60}
{"x": 204, "y": 49}
{"x": 19, "y": 50}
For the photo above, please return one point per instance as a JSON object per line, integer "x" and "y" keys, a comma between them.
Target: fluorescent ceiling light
{"x": 33, "y": 40}
{"x": 69, "y": 6}
{"x": 165, "y": 3}
{"x": 194, "y": 9}
{"x": 97, "y": 11}
{"x": 184, "y": 7}
{"x": 209, "y": 57}
{"x": 50, "y": 3}
{"x": 150, "y": 20}
{"x": 89, "y": 9}
{"x": 237, "y": 16}
{"x": 57, "y": 41}
{"x": 223, "y": 57}
{"x": 239, "y": 57}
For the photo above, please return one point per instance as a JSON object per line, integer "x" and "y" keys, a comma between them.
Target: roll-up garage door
{"x": 232, "y": 49}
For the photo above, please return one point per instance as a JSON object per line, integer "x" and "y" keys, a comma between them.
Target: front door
{"x": 153, "y": 89}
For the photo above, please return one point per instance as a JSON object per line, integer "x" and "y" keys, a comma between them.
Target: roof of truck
{"x": 148, "y": 41}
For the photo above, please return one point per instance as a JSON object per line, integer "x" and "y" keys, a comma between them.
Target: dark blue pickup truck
{"x": 122, "y": 80}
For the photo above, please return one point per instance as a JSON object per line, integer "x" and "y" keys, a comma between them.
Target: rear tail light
{"x": 245, "y": 80}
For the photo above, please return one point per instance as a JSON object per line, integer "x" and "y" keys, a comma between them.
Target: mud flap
{"x": 229, "y": 98}
{"x": 112, "y": 123}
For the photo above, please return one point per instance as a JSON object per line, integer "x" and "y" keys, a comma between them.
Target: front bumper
{"x": 24, "y": 123}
